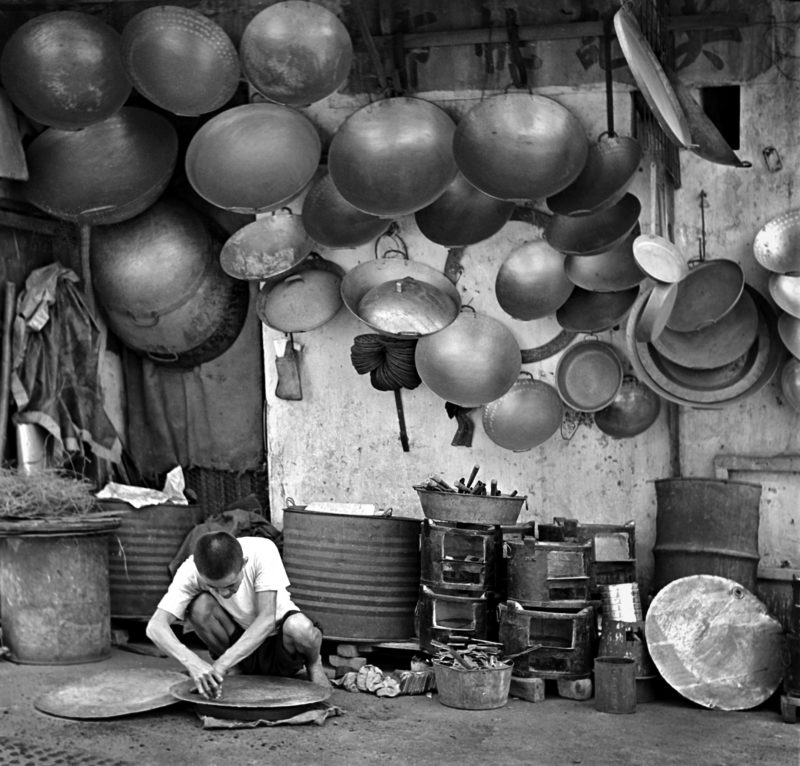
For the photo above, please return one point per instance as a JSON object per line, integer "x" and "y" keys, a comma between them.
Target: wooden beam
{"x": 24, "y": 222}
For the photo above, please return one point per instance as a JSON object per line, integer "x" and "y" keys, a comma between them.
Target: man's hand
{"x": 207, "y": 679}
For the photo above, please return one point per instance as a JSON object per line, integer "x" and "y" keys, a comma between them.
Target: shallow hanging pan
{"x": 531, "y": 282}
{"x": 520, "y": 146}
{"x": 651, "y": 79}
{"x": 253, "y": 158}
{"x": 393, "y": 157}
{"x": 634, "y": 409}
{"x": 656, "y": 311}
{"x": 333, "y": 222}
{"x": 611, "y": 164}
{"x": 586, "y": 311}
{"x": 463, "y": 215}
{"x": 271, "y": 247}
{"x": 296, "y": 53}
{"x": 715, "y": 345}
{"x": 777, "y": 244}
{"x": 594, "y": 233}
{"x": 589, "y": 375}
{"x": 785, "y": 291}
{"x": 615, "y": 269}
{"x": 303, "y": 301}
{"x": 656, "y": 255}
{"x": 366, "y": 276}
{"x": 707, "y": 141}
{"x": 527, "y": 415}
{"x": 706, "y": 294}
{"x": 107, "y": 172}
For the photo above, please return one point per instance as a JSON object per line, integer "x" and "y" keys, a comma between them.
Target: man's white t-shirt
{"x": 263, "y": 571}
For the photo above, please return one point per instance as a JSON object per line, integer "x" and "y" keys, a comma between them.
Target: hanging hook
{"x": 703, "y": 205}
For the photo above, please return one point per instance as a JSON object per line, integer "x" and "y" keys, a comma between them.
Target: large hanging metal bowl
{"x": 180, "y": 59}
{"x": 107, "y": 172}
{"x": 520, "y": 146}
{"x": 463, "y": 215}
{"x": 594, "y": 233}
{"x": 715, "y": 345}
{"x": 372, "y": 274}
{"x": 777, "y": 244}
{"x": 531, "y": 282}
{"x": 587, "y": 311}
{"x": 272, "y": 247}
{"x": 706, "y": 294}
{"x": 635, "y": 408}
{"x": 615, "y": 269}
{"x": 527, "y": 415}
{"x": 332, "y": 221}
{"x": 64, "y": 69}
{"x": 609, "y": 170}
{"x": 253, "y": 158}
{"x": 472, "y": 362}
{"x": 295, "y": 52}
{"x": 393, "y": 157}
{"x": 589, "y": 375}
{"x": 785, "y": 291}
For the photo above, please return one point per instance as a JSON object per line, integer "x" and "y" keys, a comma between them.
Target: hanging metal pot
{"x": 271, "y": 247}
{"x": 594, "y": 233}
{"x": 418, "y": 314}
{"x": 253, "y": 158}
{"x": 616, "y": 269}
{"x": 589, "y": 375}
{"x": 777, "y": 244}
{"x": 635, "y": 408}
{"x": 472, "y": 362}
{"x": 303, "y": 301}
{"x": 393, "y": 157}
{"x": 296, "y": 52}
{"x": 531, "y": 282}
{"x": 520, "y": 146}
{"x": 333, "y": 222}
{"x": 463, "y": 215}
{"x": 785, "y": 291}
{"x": 715, "y": 345}
{"x": 64, "y": 69}
{"x": 589, "y": 312}
{"x": 527, "y": 415}
{"x": 180, "y": 59}
{"x": 107, "y": 172}
{"x": 706, "y": 294}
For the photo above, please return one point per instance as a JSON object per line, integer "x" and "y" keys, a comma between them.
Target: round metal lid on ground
{"x": 715, "y": 643}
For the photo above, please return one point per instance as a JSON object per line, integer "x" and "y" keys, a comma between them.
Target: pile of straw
{"x": 45, "y": 494}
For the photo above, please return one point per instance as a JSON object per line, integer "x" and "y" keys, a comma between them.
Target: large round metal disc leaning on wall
{"x": 158, "y": 279}
{"x": 357, "y": 575}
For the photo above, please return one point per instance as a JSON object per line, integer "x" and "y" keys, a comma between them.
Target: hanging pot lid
{"x": 715, "y": 345}
{"x": 463, "y": 215}
{"x": 651, "y": 79}
{"x": 706, "y": 294}
{"x": 777, "y": 244}
{"x": 271, "y": 247}
{"x": 594, "y": 233}
{"x": 590, "y": 312}
{"x": 785, "y": 291}
{"x": 611, "y": 271}
{"x": 634, "y": 409}
{"x": 333, "y": 222}
{"x": 527, "y": 415}
{"x": 305, "y": 300}
{"x": 589, "y": 375}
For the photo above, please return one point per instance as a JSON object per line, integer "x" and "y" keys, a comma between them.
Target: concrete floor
{"x": 403, "y": 730}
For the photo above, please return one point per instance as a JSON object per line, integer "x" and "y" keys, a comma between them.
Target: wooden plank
{"x": 724, "y": 464}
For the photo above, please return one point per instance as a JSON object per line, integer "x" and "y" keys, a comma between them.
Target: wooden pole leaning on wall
{"x": 86, "y": 267}
{"x": 9, "y": 309}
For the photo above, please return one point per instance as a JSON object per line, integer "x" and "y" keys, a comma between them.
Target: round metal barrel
{"x": 140, "y": 551}
{"x": 706, "y": 527}
{"x": 357, "y": 575}
{"x": 55, "y": 599}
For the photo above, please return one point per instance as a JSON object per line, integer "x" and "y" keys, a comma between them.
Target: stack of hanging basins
{"x": 776, "y": 249}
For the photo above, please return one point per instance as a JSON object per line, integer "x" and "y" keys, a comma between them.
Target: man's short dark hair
{"x": 217, "y": 555}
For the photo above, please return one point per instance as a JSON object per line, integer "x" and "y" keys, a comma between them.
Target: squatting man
{"x": 233, "y": 592}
